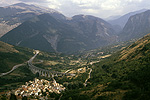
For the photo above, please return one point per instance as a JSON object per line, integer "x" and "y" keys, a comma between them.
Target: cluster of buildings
{"x": 39, "y": 88}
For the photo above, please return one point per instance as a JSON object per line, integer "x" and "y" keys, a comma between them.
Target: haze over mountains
{"x": 48, "y": 30}
{"x": 137, "y": 26}
{"x": 122, "y": 20}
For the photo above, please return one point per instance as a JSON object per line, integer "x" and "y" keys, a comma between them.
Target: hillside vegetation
{"x": 123, "y": 76}
{"x": 12, "y": 55}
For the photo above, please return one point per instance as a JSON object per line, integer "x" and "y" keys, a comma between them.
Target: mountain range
{"x": 47, "y": 33}
{"x": 48, "y": 30}
{"x": 137, "y": 26}
{"x": 118, "y": 22}
{"x": 122, "y": 20}
{"x": 14, "y": 15}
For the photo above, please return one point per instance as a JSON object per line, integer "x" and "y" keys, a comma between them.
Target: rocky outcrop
{"x": 53, "y": 40}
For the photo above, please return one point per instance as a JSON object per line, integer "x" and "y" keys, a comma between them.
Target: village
{"x": 39, "y": 88}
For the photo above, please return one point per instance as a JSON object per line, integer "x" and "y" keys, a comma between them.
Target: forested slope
{"x": 123, "y": 76}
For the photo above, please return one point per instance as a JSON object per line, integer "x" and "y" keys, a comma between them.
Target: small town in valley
{"x": 39, "y": 88}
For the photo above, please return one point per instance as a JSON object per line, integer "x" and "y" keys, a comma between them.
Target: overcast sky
{"x": 99, "y": 8}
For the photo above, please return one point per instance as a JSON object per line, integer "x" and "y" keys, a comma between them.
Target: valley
{"x": 72, "y": 71}
{"x": 62, "y": 68}
{"x": 45, "y": 55}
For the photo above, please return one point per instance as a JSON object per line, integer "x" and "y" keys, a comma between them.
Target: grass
{"x": 52, "y": 63}
{"x": 4, "y": 47}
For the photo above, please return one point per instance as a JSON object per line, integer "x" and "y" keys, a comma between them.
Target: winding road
{"x": 30, "y": 61}
{"x": 16, "y": 66}
{"x": 85, "y": 83}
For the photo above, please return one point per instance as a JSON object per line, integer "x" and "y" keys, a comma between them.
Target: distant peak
{"x": 80, "y": 15}
{"x": 20, "y": 4}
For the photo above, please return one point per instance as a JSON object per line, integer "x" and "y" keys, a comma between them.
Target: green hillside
{"x": 123, "y": 76}
{"x": 12, "y": 55}
{"x": 9, "y": 57}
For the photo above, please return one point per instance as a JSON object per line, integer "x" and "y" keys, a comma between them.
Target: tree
{"x": 70, "y": 98}
{"x": 37, "y": 75}
{"x": 24, "y": 98}
{"x": 13, "y": 97}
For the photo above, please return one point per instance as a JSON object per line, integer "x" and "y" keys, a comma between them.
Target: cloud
{"x": 7, "y": 2}
{"x": 100, "y": 8}
{"x": 39, "y": 1}
{"x": 54, "y": 4}
{"x": 90, "y": 11}
{"x": 110, "y": 5}
{"x": 133, "y": 0}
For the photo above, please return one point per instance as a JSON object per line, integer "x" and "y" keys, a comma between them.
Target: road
{"x": 16, "y": 66}
{"x": 68, "y": 71}
{"x": 30, "y": 61}
{"x": 53, "y": 78}
{"x": 85, "y": 83}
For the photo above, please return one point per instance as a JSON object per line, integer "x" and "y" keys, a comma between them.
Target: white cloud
{"x": 89, "y": 11}
{"x": 110, "y": 4}
{"x": 54, "y": 4}
{"x": 8, "y": 2}
{"x": 100, "y": 8}
{"x": 133, "y": 0}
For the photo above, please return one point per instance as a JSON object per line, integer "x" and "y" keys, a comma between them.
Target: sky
{"x": 99, "y": 8}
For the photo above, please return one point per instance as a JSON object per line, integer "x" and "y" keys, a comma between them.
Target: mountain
{"x": 110, "y": 18}
{"x": 47, "y": 33}
{"x": 98, "y": 31}
{"x": 13, "y": 15}
{"x": 121, "y": 21}
{"x": 136, "y": 27}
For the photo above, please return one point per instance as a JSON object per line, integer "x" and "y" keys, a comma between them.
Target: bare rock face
{"x": 4, "y": 28}
{"x": 53, "y": 40}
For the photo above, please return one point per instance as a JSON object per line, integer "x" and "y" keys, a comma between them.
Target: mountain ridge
{"x": 14, "y": 15}
{"x": 62, "y": 35}
{"x": 137, "y": 26}
{"x": 121, "y": 21}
